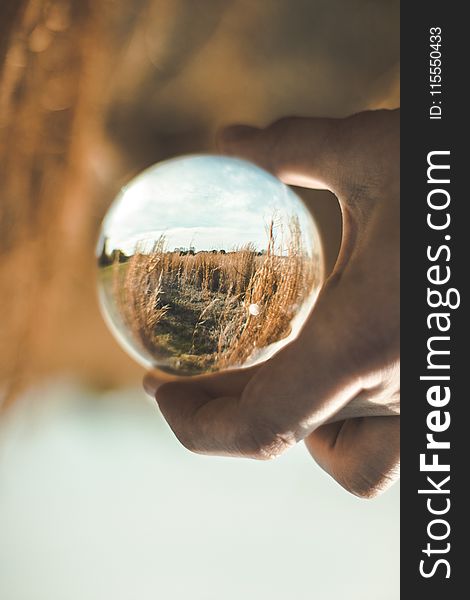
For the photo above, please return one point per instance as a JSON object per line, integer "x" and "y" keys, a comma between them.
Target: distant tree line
{"x": 118, "y": 256}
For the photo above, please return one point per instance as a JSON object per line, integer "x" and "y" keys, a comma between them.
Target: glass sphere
{"x": 207, "y": 263}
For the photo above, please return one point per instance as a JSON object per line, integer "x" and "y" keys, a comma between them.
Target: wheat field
{"x": 206, "y": 311}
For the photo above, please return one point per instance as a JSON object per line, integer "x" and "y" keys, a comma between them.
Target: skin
{"x": 337, "y": 385}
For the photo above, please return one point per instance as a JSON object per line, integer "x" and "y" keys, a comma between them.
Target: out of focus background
{"x": 98, "y": 501}
{"x": 97, "y": 498}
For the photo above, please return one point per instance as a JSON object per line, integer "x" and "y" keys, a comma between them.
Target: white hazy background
{"x": 98, "y": 501}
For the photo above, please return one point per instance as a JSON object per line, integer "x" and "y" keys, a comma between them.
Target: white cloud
{"x": 207, "y": 201}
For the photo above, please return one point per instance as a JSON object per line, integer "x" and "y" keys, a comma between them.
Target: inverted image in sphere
{"x": 207, "y": 263}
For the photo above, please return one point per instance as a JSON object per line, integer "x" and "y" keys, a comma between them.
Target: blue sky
{"x": 205, "y": 201}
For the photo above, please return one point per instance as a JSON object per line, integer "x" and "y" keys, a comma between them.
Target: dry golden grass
{"x": 138, "y": 293}
{"x": 209, "y": 311}
{"x": 277, "y": 288}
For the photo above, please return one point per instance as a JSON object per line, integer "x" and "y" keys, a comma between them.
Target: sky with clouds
{"x": 208, "y": 202}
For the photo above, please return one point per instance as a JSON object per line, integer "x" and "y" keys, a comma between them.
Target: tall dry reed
{"x": 248, "y": 298}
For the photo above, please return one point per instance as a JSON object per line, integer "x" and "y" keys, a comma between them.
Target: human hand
{"x": 337, "y": 385}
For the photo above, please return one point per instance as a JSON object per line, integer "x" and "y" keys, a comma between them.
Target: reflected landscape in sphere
{"x": 207, "y": 263}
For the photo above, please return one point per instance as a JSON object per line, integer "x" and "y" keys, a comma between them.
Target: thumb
{"x": 300, "y": 151}
{"x": 362, "y": 454}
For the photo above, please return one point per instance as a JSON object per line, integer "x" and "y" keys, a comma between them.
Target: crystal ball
{"x": 207, "y": 263}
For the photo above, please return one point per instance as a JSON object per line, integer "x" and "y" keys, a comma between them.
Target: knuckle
{"x": 266, "y": 442}
{"x": 375, "y": 132}
{"x": 282, "y": 126}
{"x": 303, "y": 145}
{"x": 275, "y": 138}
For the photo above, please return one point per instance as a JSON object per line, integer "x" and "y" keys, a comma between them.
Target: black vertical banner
{"x": 435, "y": 269}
